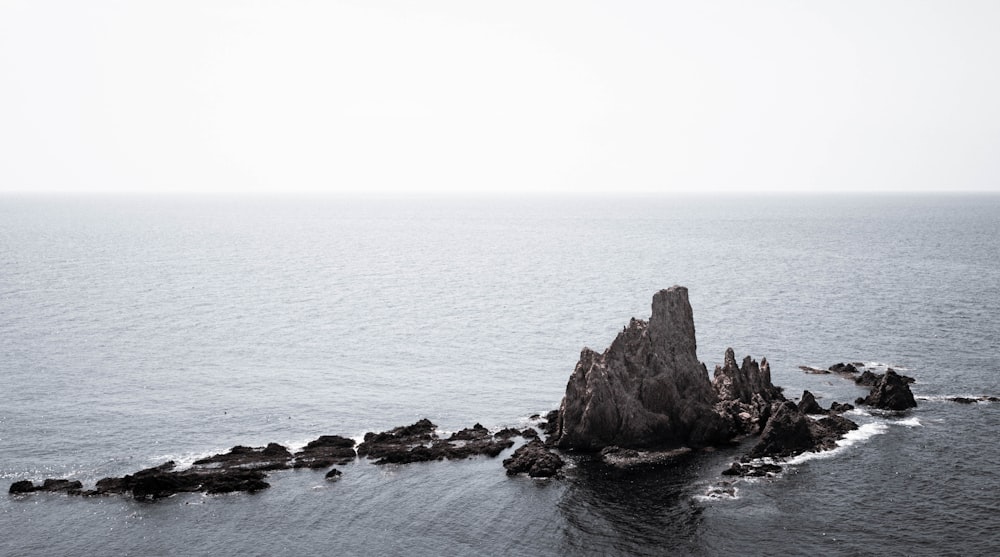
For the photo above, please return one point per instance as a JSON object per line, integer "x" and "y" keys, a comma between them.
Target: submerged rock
{"x": 814, "y": 370}
{"x": 647, "y": 390}
{"x": 628, "y": 459}
{"x": 752, "y": 469}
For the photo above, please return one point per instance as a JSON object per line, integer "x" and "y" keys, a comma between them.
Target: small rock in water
{"x": 534, "y": 459}
{"x": 891, "y": 392}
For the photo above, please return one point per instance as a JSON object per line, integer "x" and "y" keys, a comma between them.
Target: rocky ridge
{"x": 646, "y": 401}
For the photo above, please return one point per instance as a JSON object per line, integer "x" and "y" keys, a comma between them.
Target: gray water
{"x": 134, "y": 330}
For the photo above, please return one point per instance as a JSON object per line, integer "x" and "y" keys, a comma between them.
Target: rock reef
{"x": 245, "y": 468}
{"x": 644, "y": 402}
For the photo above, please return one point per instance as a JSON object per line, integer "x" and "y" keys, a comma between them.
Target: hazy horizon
{"x": 460, "y": 98}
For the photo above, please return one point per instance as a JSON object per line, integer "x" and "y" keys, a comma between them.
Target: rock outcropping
{"x": 745, "y": 393}
{"x": 647, "y": 390}
{"x": 891, "y": 391}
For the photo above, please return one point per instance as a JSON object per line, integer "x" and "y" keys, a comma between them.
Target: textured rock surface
{"x": 790, "y": 432}
{"x": 891, "y": 392}
{"x": 808, "y": 404}
{"x": 271, "y": 457}
{"x": 325, "y": 451}
{"x": 51, "y": 485}
{"x": 420, "y": 443}
{"x": 745, "y": 393}
{"x": 648, "y": 389}
{"x": 534, "y": 459}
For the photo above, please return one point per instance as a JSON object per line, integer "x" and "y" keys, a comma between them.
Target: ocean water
{"x": 134, "y": 330}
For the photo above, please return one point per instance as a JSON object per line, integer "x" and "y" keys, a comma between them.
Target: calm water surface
{"x": 137, "y": 330}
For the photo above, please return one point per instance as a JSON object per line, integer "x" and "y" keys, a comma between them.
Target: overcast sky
{"x": 511, "y": 96}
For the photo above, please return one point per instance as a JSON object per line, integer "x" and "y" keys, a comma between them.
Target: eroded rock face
{"x": 325, "y": 451}
{"x": 534, "y": 459}
{"x": 891, "y": 392}
{"x": 420, "y": 443}
{"x": 648, "y": 389}
{"x": 790, "y": 432}
{"x": 745, "y": 393}
{"x": 808, "y": 404}
{"x": 51, "y": 485}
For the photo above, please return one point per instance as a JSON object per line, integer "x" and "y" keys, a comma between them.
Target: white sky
{"x": 512, "y": 96}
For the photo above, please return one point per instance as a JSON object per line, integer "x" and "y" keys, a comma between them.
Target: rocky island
{"x": 645, "y": 401}
{"x": 649, "y": 394}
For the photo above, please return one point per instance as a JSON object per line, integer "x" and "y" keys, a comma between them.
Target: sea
{"x": 140, "y": 329}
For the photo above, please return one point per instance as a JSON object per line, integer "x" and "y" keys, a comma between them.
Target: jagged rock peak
{"x": 671, "y": 324}
{"x": 648, "y": 389}
{"x": 741, "y": 383}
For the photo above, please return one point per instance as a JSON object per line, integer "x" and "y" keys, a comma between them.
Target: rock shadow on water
{"x": 610, "y": 510}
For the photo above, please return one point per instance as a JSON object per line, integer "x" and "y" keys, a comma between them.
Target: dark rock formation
{"x": 891, "y": 392}
{"x": 745, "y": 393}
{"x": 474, "y": 433}
{"x": 814, "y": 370}
{"x": 420, "y": 443}
{"x": 647, "y": 390}
{"x": 51, "y": 485}
{"x": 840, "y": 408}
{"x": 827, "y": 431}
{"x": 240, "y": 469}
{"x": 843, "y": 368}
{"x": 867, "y": 379}
{"x": 787, "y": 433}
{"x": 790, "y": 432}
{"x": 272, "y": 457}
{"x": 973, "y": 400}
{"x": 808, "y": 405}
{"x": 534, "y": 459}
{"x": 906, "y": 378}
{"x": 164, "y": 481}
{"x": 325, "y": 451}
{"x": 551, "y": 423}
